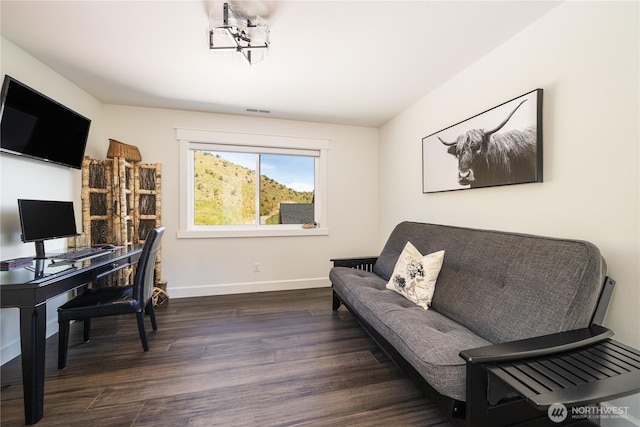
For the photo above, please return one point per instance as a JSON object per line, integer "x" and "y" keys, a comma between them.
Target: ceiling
{"x": 345, "y": 62}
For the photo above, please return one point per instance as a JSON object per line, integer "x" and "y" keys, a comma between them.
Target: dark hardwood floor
{"x": 265, "y": 359}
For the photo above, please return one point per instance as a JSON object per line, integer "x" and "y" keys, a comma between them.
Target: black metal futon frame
{"x": 515, "y": 383}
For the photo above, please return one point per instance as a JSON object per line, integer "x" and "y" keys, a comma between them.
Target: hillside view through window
{"x": 226, "y": 191}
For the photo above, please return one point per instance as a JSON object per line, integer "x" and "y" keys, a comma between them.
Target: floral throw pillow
{"x": 415, "y": 275}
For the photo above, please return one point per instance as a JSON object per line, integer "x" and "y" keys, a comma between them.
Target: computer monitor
{"x": 42, "y": 220}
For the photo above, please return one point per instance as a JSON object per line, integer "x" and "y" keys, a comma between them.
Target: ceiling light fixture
{"x": 234, "y": 31}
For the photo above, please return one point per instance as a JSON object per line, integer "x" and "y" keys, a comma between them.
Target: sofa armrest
{"x": 359, "y": 263}
{"x": 537, "y": 346}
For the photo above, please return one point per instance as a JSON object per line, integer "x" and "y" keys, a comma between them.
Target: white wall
{"x": 585, "y": 56}
{"x": 215, "y": 266}
{"x": 25, "y": 178}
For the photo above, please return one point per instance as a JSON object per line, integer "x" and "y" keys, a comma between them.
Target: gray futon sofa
{"x": 493, "y": 287}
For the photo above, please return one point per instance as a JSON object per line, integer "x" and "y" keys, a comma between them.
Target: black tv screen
{"x": 34, "y": 125}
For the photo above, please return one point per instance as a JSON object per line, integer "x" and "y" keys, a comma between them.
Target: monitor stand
{"x": 39, "y": 268}
{"x": 40, "y": 250}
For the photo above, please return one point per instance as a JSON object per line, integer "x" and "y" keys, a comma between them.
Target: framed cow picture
{"x": 501, "y": 146}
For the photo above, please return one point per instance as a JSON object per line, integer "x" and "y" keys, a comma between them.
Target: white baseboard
{"x": 12, "y": 350}
{"x": 248, "y": 287}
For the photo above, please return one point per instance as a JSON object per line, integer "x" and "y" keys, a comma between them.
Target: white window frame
{"x": 193, "y": 139}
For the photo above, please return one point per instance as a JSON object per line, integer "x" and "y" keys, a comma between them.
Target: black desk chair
{"x": 115, "y": 300}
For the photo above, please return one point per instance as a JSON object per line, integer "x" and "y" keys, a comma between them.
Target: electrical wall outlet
{"x": 256, "y": 267}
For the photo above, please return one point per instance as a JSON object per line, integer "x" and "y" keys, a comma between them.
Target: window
{"x": 226, "y": 191}
{"x": 245, "y": 185}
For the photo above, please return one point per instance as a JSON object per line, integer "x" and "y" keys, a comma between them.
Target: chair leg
{"x": 63, "y": 343}
{"x": 143, "y": 334}
{"x": 152, "y": 315}
{"x": 87, "y": 329}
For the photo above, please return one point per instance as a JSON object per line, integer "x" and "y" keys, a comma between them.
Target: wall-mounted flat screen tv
{"x": 34, "y": 125}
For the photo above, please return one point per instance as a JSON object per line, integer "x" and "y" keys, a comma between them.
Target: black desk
{"x": 28, "y": 291}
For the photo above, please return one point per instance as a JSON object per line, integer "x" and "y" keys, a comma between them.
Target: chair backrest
{"x": 144, "y": 279}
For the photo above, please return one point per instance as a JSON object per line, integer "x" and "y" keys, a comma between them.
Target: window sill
{"x": 251, "y": 232}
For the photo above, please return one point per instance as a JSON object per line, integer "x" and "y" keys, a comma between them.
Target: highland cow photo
{"x": 500, "y": 146}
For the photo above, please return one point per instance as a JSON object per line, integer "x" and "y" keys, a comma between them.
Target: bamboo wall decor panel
{"x": 121, "y": 202}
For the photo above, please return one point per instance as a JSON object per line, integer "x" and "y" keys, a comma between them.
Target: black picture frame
{"x": 462, "y": 156}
